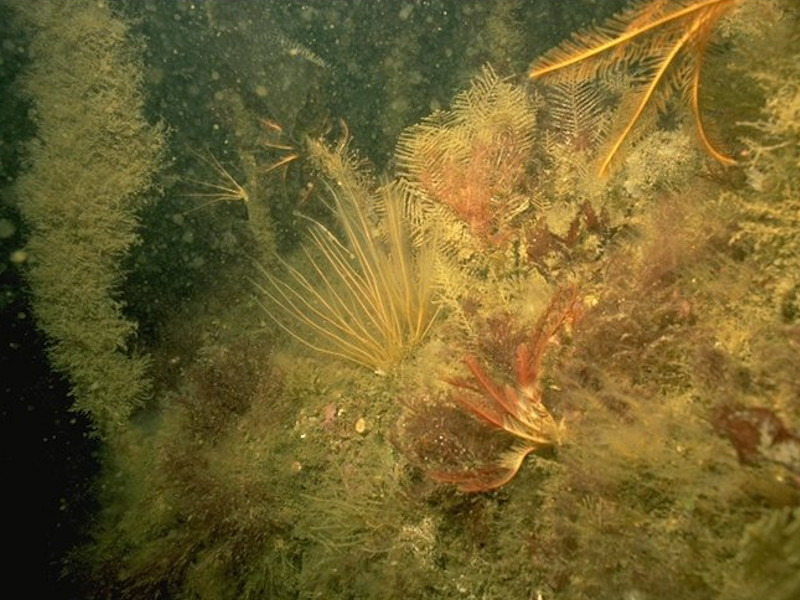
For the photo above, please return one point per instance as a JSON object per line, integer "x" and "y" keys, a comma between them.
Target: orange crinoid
{"x": 664, "y": 41}
{"x": 517, "y": 409}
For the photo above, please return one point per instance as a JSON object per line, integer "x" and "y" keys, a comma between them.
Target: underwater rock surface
{"x": 352, "y": 307}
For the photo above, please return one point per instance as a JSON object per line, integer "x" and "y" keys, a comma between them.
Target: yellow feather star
{"x": 667, "y": 39}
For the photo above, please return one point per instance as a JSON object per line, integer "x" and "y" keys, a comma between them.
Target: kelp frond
{"x": 365, "y": 294}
